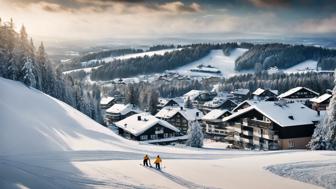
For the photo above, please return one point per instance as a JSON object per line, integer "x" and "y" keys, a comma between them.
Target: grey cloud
{"x": 74, "y": 6}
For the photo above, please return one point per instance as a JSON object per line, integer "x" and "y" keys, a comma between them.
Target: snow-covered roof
{"x": 259, "y": 91}
{"x": 321, "y": 98}
{"x": 294, "y": 90}
{"x": 188, "y": 113}
{"x": 192, "y": 94}
{"x": 248, "y": 102}
{"x": 284, "y": 114}
{"x": 241, "y": 91}
{"x": 137, "y": 127}
{"x": 106, "y": 100}
{"x": 216, "y": 102}
{"x": 164, "y": 101}
{"x": 214, "y": 114}
{"x": 122, "y": 109}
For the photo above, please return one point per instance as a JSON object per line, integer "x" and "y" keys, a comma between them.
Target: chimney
{"x": 181, "y": 108}
{"x": 139, "y": 118}
{"x": 197, "y": 114}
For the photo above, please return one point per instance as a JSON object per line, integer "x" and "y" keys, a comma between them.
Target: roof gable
{"x": 260, "y": 91}
{"x": 122, "y": 109}
{"x": 106, "y": 100}
{"x": 321, "y": 98}
{"x": 189, "y": 114}
{"x": 295, "y": 90}
{"x": 215, "y": 114}
{"x": 135, "y": 126}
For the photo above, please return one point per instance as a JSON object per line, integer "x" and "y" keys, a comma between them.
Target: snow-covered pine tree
{"x": 195, "y": 135}
{"x": 188, "y": 104}
{"x": 28, "y": 73}
{"x": 132, "y": 95}
{"x": 153, "y": 100}
{"x": 324, "y": 137}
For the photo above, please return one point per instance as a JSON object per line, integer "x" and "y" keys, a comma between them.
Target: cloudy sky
{"x": 97, "y": 19}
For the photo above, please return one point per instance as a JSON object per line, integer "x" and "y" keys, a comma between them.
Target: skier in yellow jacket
{"x": 157, "y": 162}
{"x": 146, "y": 160}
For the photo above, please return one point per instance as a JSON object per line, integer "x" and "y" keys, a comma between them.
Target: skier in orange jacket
{"x": 157, "y": 162}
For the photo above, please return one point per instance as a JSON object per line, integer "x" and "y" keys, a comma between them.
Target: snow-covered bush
{"x": 195, "y": 135}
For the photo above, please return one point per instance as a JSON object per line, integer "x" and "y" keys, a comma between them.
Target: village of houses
{"x": 243, "y": 119}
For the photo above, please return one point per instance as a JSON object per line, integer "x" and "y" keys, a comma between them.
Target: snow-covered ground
{"x": 322, "y": 173}
{"x": 45, "y": 143}
{"x": 133, "y": 55}
{"x": 210, "y": 144}
{"x": 87, "y": 64}
{"x": 217, "y": 59}
{"x": 305, "y": 66}
{"x": 86, "y": 70}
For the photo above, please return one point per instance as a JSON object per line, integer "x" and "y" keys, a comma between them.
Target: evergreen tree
{"x": 258, "y": 68}
{"x": 29, "y": 77}
{"x": 188, "y": 103}
{"x": 153, "y": 101}
{"x": 195, "y": 135}
{"x": 324, "y": 137}
{"x": 131, "y": 95}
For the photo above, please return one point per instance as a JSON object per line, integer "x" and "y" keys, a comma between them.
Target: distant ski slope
{"x": 87, "y": 66}
{"x": 217, "y": 59}
{"x": 308, "y": 65}
{"x": 133, "y": 55}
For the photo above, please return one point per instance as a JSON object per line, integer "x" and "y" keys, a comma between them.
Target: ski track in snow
{"x": 179, "y": 180}
{"x": 53, "y": 178}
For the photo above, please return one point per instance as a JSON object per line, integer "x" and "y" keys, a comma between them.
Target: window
{"x": 153, "y": 137}
{"x": 291, "y": 143}
{"x": 144, "y": 137}
{"x": 165, "y": 135}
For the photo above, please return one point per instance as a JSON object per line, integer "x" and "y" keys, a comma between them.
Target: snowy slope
{"x": 308, "y": 65}
{"x": 133, "y": 55}
{"x": 321, "y": 173}
{"x": 45, "y": 143}
{"x": 86, "y": 70}
{"x": 217, "y": 59}
{"x": 87, "y": 64}
{"x": 33, "y": 122}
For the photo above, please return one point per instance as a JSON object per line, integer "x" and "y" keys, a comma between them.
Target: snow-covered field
{"x": 45, "y": 143}
{"x": 217, "y": 59}
{"x": 133, "y": 55}
{"x": 88, "y": 68}
{"x": 308, "y": 65}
